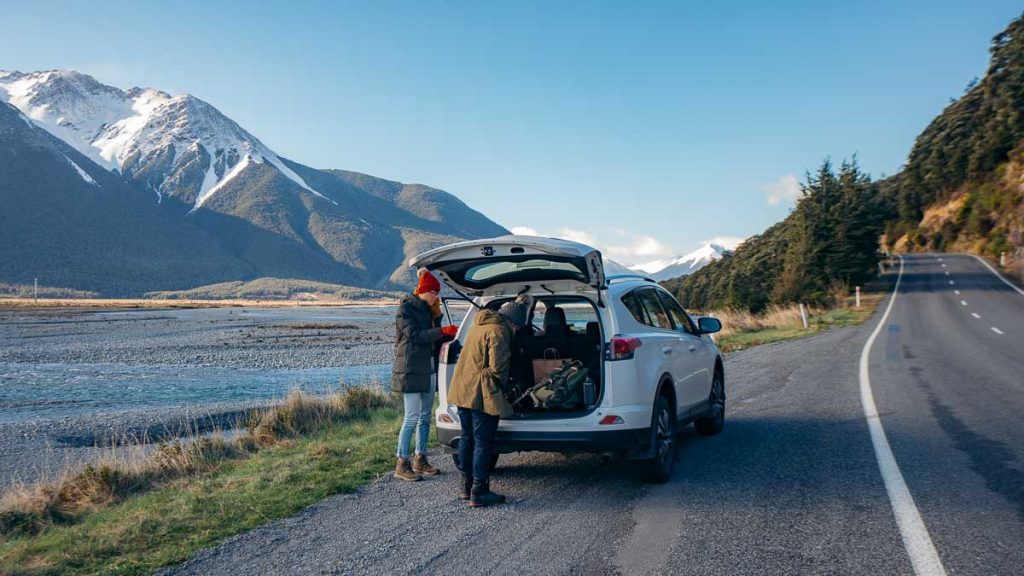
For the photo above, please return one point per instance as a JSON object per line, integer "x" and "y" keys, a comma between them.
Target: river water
{"x": 35, "y": 391}
{"x": 60, "y": 363}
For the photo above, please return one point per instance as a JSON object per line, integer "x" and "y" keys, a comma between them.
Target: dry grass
{"x": 742, "y": 321}
{"x": 27, "y": 510}
{"x": 741, "y": 329}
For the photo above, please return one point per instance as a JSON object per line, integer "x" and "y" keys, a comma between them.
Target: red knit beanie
{"x": 427, "y": 282}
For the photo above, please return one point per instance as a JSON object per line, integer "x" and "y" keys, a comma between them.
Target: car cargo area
{"x": 564, "y": 332}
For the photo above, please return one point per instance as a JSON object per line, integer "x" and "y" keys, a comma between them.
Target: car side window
{"x": 633, "y": 305}
{"x": 681, "y": 320}
{"x": 652, "y": 305}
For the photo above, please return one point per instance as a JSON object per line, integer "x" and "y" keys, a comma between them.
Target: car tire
{"x": 663, "y": 433}
{"x": 714, "y": 422}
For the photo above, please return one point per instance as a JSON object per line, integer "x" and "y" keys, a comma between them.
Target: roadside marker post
{"x": 35, "y": 290}
{"x": 858, "y": 296}
{"x": 803, "y": 314}
{"x": 1002, "y": 259}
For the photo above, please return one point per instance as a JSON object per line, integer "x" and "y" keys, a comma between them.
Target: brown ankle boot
{"x": 404, "y": 472}
{"x": 421, "y": 466}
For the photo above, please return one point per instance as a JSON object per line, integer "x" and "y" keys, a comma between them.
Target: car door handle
{"x": 692, "y": 348}
{"x": 667, "y": 349}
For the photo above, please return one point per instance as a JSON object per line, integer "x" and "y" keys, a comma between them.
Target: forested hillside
{"x": 962, "y": 188}
{"x": 828, "y": 243}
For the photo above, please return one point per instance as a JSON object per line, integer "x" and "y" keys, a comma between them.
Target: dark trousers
{"x": 476, "y": 443}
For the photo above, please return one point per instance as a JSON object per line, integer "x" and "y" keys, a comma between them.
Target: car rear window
{"x": 634, "y": 307}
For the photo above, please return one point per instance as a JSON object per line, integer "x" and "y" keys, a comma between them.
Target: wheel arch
{"x": 667, "y": 388}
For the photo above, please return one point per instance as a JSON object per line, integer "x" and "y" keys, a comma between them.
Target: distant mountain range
{"x": 683, "y": 265}
{"x": 125, "y": 192}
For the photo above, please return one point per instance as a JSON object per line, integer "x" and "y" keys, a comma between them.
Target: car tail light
{"x": 446, "y": 419}
{"x": 611, "y": 419}
{"x": 622, "y": 347}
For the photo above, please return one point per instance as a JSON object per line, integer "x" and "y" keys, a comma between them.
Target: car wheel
{"x": 715, "y": 420}
{"x": 663, "y": 432}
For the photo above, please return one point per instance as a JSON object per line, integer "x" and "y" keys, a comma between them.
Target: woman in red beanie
{"x": 417, "y": 339}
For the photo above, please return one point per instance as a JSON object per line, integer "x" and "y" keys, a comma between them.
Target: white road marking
{"x": 947, "y": 272}
{"x": 940, "y": 259}
{"x": 957, "y": 292}
{"x": 997, "y": 330}
{"x": 943, "y": 265}
{"x": 916, "y": 540}
{"x": 975, "y": 314}
{"x": 963, "y": 302}
{"x": 950, "y": 282}
{"x": 998, "y": 275}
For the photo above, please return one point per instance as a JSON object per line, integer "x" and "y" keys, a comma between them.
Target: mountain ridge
{"x": 274, "y": 217}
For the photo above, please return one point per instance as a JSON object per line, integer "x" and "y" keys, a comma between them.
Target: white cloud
{"x": 785, "y": 189}
{"x": 523, "y": 231}
{"x": 727, "y": 242}
{"x": 578, "y": 236}
{"x": 639, "y": 246}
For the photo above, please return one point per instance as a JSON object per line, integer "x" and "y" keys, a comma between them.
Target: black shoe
{"x": 481, "y": 495}
{"x": 467, "y": 487}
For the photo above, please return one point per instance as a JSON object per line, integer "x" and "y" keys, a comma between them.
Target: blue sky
{"x": 642, "y": 127}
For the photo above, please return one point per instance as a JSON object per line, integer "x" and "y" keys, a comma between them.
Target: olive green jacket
{"x": 482, "y": 368}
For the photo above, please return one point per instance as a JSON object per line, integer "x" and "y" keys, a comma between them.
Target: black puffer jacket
{"x": 415, "y": 335}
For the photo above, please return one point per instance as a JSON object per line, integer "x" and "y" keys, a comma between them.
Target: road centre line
{"x": 963, "y": 302}
{"x": 957, "y": 292}
{"x": 998, "y": 275}
{"x": 975, "y": 314}
{"x": 923, "y": 556}
{"x": 943, "y": 265}
{"x": 947, "y": 272}
{"x": 996, "y": 330}
{"x": 950, "y": 282}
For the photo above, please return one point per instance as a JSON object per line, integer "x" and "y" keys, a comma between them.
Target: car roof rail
{"x": 625, "y": 277}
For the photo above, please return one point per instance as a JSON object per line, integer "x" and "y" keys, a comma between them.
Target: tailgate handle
{"x": 667, "y": 349}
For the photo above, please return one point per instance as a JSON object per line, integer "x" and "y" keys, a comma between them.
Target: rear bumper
{"x": 632, "y": 442}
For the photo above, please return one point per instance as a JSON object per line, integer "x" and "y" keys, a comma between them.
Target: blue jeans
{"x": 417, "y": 416}
{"x": 476, "y": 443}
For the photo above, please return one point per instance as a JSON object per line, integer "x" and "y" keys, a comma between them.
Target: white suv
{"x": 651, "y": 369}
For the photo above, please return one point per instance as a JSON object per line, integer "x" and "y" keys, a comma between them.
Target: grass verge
{"x": 132, "y": 519}
{"x": 742, "y": 330}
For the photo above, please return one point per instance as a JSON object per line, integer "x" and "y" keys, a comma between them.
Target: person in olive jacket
{"x": 418, "y": 330}
{"x": 478, "y": 390}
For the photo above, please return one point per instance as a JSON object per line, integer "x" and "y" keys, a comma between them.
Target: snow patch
{"x": 82, "y": 173}
{"x": 210, "y": 184}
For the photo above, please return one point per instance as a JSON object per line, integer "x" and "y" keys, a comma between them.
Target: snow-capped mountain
{"x": 124, "y": 191}
{"x": 683, "y": 265}
{"x": 175, "y": 146}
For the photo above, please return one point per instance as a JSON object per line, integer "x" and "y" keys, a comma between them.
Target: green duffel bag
{"x": 560, "y": 390}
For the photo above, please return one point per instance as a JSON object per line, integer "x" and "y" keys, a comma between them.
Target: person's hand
{"x": 449, "y": 330}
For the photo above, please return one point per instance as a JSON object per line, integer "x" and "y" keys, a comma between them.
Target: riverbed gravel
{"x": 243, "y": 338}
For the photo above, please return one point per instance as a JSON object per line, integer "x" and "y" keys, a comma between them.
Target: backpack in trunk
{"x": 560, "y": 390}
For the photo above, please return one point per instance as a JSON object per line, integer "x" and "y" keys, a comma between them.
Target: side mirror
{"x": 708, "y": 325}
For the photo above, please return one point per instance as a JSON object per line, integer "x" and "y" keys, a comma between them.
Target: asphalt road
{"x": 792, "y": 486}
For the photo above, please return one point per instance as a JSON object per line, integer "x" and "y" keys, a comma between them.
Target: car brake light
{"x": 611, "y": 419}
{"x": 622, "y": 347}
{"x": 446, "y": 419}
